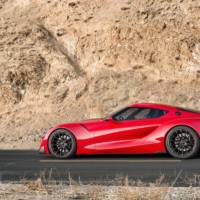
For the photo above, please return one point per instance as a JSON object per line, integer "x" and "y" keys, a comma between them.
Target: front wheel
{"x": 182, "y": 142}
{"x": 62, "y": 144}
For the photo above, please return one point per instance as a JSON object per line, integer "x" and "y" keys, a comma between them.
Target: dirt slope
{"x": 65, "y": 60}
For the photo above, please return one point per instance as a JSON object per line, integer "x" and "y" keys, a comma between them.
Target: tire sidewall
{"x": 195, "y": 149}
{"x": 72, "y": 152}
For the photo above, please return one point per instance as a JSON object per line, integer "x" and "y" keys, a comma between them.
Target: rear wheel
{"x": 62, "y": 144}
{"x": 182, "y": 142}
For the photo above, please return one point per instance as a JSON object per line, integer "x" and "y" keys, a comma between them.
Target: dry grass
{"x": 37, "y": 190}
{"x": 123, "y": 189}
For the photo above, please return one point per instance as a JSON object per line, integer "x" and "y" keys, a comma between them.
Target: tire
{"x": 62, "y": 144}
{"x": 182, "y": 142}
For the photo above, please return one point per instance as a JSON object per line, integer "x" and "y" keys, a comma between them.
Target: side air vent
{"x": 84, "y": 126}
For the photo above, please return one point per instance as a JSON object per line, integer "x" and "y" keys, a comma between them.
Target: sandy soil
{"x": 66, "y": 60}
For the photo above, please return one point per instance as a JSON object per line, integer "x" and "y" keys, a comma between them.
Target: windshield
{"x": 114, "y": 113}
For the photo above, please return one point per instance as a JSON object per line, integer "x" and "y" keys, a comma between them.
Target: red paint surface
{"x": 126, "y": 137}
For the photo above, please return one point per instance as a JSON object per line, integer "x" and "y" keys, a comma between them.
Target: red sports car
{"x": 136, "y": 129}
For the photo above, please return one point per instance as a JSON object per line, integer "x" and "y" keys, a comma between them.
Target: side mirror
{"x": 107, "y": 119}
{"x": 110, "y": 119}
{"x": 117, "y": 120}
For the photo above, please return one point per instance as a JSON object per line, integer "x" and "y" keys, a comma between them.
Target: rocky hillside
{"x": 64, "y": 60}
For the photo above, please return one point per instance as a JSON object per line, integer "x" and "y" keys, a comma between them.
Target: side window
{"x": 156, "y": 113}
{"x": 125, "y": 114}
{"x": 133, "y": 113}
{"x": 143, "y": 113}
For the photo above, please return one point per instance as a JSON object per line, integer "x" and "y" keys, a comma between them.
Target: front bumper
{"x": 43, "y": 149}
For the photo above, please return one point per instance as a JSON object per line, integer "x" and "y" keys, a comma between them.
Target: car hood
{"x": 93, "y": 124}
{"x": 90, "y": 124}
{"x": 84, "y": 122}
{"x": 91, "y": 121}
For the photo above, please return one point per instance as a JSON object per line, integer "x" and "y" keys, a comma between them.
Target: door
{"x": 124, "y": 131}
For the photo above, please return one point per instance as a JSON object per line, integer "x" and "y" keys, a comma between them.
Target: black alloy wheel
{"x": 62, "y": 144}
{"x": 182, "y": 142}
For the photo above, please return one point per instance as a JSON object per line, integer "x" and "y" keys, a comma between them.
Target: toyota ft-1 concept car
{"x": 144, "y": 128}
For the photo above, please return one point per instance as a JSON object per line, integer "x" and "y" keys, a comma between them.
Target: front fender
{"x": 83, "y": 138}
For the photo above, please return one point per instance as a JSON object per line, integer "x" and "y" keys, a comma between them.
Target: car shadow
{"x": 115, "y": 156}
{"x": 163, "y": 156}
{"x": 148, "y": 156}
{"x": 36, "y": 154}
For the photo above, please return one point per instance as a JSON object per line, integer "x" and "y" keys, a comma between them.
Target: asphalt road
{"x": 29, "y": 165}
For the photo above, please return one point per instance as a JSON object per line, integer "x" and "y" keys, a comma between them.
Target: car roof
{"x": 154, "y": 105}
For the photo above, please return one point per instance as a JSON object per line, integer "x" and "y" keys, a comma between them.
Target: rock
{"x": 68, "y": 60}
{"x": 125, "y": 8}
{"x": 72, "y": 4}
{"x": 61, "y": 32}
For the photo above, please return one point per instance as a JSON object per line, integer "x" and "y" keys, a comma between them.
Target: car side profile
{"x": 144, "y": 128}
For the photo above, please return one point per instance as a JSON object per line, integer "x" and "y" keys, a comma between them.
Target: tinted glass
{"x": 134, "y": 113}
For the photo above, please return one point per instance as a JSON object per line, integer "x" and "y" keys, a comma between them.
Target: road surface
{"x": 29, "y": 165}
